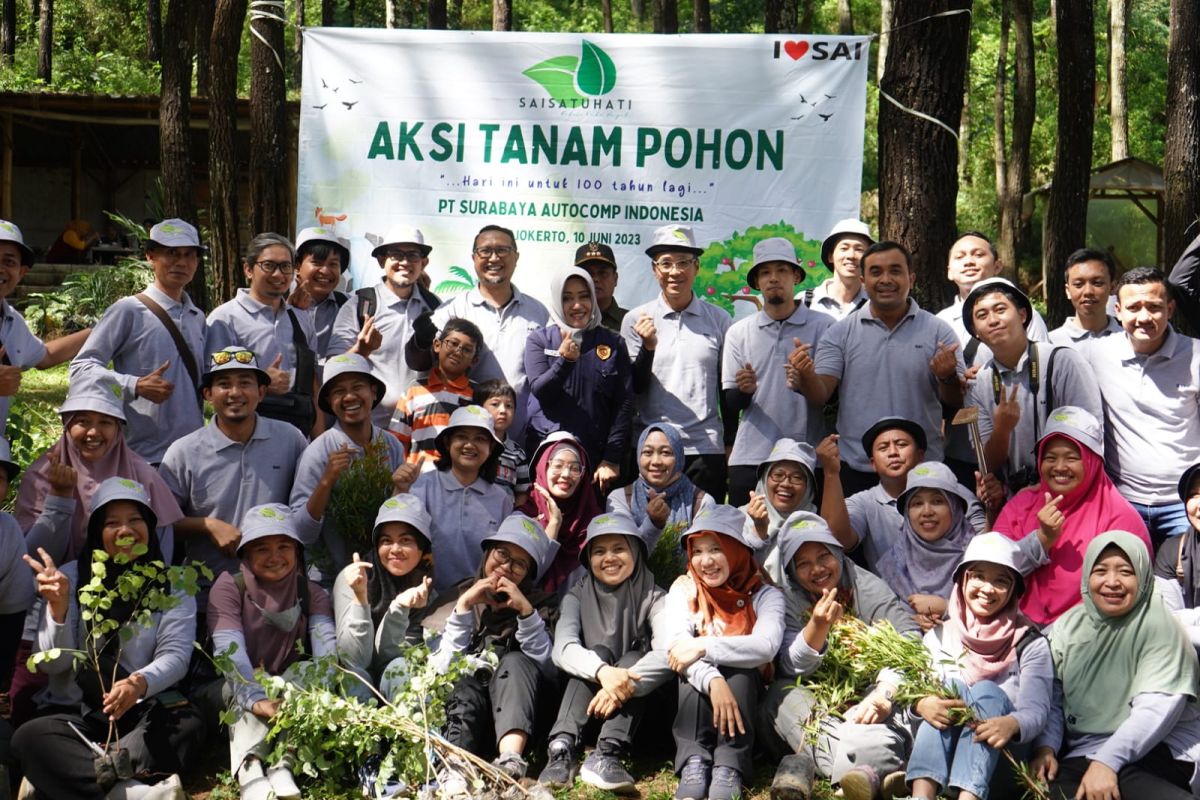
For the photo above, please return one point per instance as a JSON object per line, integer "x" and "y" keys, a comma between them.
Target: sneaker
{"x": 726, "y": 784}
{"x": 512, "y": 765}
{"x": 606, "y": 772}
{"x": 693, "y": 780}
{"x": 794, "y": 777}
{"x": 560, "y": 764}
{"x": 170, "y": 788}
{"x": 894, "y": 786}
{"x": 283, "y": 783}
{"x": 860, "y": 783}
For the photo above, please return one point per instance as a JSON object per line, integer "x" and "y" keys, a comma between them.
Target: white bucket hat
{"x": 673, "y": 238}
{"x": 403, "y": 235}
{"x": 774, "y": 249}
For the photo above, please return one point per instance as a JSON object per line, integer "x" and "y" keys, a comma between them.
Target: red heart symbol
{"x": 795, "y": 49}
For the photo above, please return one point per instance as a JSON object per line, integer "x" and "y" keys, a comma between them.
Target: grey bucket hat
{"x": 933, "y": 475}
{"x": 673, "y": 238}
{"x": 722, "y": 519}
{"x": 9, "y": 232}
{"x": 406, "y": 508}
{"x": 269, "y": 519}
{"x": 112, "y": 489}
{"x": 614, "y": 523}
{"x": 103, "y": 395}
{"x": 1077, "y": 423}
{"x": 347, "y": 364}
{"x": 237, "y": 361}
{"x": 529, "y": 535}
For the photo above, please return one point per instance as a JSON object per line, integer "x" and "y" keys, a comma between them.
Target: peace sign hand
{"x": 1007, "y": 413}
{"x": 52, "y": 585}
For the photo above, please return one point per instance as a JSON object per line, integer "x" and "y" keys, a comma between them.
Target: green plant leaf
{"x": 597, "y": 74}
{"x": 557, "y": 76}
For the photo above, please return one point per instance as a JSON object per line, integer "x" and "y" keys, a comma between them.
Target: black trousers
{"x": 573, "y": 718}
{"x": 695, "y": 734}
{"x": 709, "y": 472}
{"x": 60, "y": 765}
{"x": 1157, "y": 775}
{"x": 478, "y": 714}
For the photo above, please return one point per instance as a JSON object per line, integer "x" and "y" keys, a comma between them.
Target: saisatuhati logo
{"x": 576, "y": 81}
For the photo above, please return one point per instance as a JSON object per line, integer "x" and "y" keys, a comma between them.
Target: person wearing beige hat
{"x": 19, "y": 348}
{"x": 754, "y": 366}
{"x": 841, "y": 253}
{"x": 378, "y": 321}
{"x": 321, "y": 259}
{"x": 675, "y": 343}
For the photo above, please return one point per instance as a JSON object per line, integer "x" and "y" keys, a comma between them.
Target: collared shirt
{"x": 463, "y": 516}
{"x": 246, "y": 322}
{"x": 504, "y": 333}
{"x": 885, "y": 373}
{"x": 775, "y": 411}
{"x": 393, "y": 319}
{"x": 1074, "y": 384}
{"x": 976, "y": 353}
{"x": 875, "y": 518}
{"x": 308, "y": 474}
{"x": 1151, "y": 413}
{"x": 211, "y": 475}
{"x": 23, "y": 349}
{"x": 323, "y": 315}
{"x": 686, "y": 374}
{"x": 1070, "y": 333}
{"x": 824, "y": 301}
{"x": 613, "y": 316}
{"x": 137, "y": 343}
{"x": 424, "y": 411}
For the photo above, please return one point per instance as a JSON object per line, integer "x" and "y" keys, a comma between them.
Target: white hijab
{"x": 556, "y": 306}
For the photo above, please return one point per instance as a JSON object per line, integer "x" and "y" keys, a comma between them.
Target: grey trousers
{"x": 573, "y": 716}
{"x": 840, "y": 746}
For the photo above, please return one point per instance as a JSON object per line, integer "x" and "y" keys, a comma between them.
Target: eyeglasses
{"x": 793, "y": 478}
{"x": 505, "y": 558}
{"x": 569, "y": 467}
{"x": 222, "y": 357}
{"x": 271, "y": 267}
{"x": 404, "y": 255}
{"x": 669, "y": 265}
{"x": 501, "y": 252}
{"x": 454, "y": 347}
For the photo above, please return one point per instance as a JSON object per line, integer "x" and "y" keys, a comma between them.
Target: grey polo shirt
{"x": 246, "y": 322}
{"x": 1070, "y": 334}
{"x": 875, "y": 518}
{"x": 504, "y": 333}
{"x": 211, "y": 475}
{"x": 1151, "y": 413}
{"x": 463, "y": 516}
{"x": 885, "y": 373}
{"x": 323, "y": 315}
{"x": 393, "y": 319}
{"x": 1072, "y": 384}
{"x": 775, "y": 411}
{"x": 137, "y": 343}
{"x": 24, "y": 350}
{"x": 824, "y": 302}
{"x": 686, "y": 374}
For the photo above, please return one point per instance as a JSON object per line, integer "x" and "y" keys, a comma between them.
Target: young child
{"x": 425, "y": 408}
{"x": 1001, "y": 668}
{"x": 920, "y": 566}
{"x": 512, "y": 473}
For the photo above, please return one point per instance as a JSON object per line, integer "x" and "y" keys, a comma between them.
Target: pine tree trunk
{"x": 845, "y": 18}
{"x": 174, "y": 112}
{"x": 666, "y": 16}
{"x": 205, "y": 10}
{"x": 918, "y": 160}
{"x": 268, "y": 126}
{"x": 46, "y": 41}
{"x": 805, "y": 22}
{"x": 154, "y": 30}
{"x": 701, "y": 16}
{"x": 298, "y": 44}
{"x": 606, "y": 12}
{"x": 437, "y": 15}
{"x": 1066, "y": 210}
{"x": 1016, "y": 180}
{"x": 326, "y": 13}
{"x": 8, "y": 32}
{"x": 999, "y": 113}
{"x": 772, "y": 16}
{"x": 638, "y": 9}
{"x": 1181, "y": 163}
{"x": 1118, "y": 11}
{"x": 222, "y": 157}
{"x": 502, "y": 15}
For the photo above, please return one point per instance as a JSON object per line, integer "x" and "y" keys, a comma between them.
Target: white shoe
{"x": 170, "y": 788}
{"x": 26, "y": 791}
{"x": 283, "y": 783}
{"x": 252, "y": 781}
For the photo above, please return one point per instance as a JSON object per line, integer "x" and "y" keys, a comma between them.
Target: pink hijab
{"x": 1093, "y": 507}
{"x": 988, "y": 646}
{"x": 119, "y": 462}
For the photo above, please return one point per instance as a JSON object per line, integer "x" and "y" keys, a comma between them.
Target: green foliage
{"x": 667, "y": 560}
{"x": 33, "y": 427}
{"x": 359, "y": 492}
{"x": 84, "y": 297}
{"x": 465, "y": 282}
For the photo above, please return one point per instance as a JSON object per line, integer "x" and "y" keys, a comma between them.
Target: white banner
{"x": 566, "y": 138}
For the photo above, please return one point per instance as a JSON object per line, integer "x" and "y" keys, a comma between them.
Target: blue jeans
{"x": 951, "y": 757}
{"x": 1163, "y": 521}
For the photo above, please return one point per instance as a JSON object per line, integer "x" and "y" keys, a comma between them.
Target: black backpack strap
{"x": 808, "y": 297}
{"x": 340, "y": 298}
{"x": 1031, "y": 636}
{"x": 306, "y": 360}
{"x": 970, "y": 350}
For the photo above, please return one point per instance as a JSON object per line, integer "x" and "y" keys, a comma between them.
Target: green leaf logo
{"x": 923, "y": 471}
{"x": 1062, "y": 417}
{"x": 167, "y": 227}
{"x": 270, "y": 513}
{"x": 128, "y": 484}
{"x": 8, "y": 226}
{"x": 571, "y": 78}
{"x": 802, "y": 524}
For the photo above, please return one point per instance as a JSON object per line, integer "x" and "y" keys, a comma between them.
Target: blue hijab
{"x": 680, "y": 494}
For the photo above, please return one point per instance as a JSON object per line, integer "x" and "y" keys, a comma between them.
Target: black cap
{"x": 1185, "y": 482}
{"x": 892, "y": 423}
{"x": 594, "y": 251}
